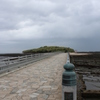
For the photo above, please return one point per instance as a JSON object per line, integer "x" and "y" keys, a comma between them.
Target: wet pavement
{"x": 39, "y": 81}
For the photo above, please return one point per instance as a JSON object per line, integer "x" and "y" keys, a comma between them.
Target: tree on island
{"x": 47, "y": 49}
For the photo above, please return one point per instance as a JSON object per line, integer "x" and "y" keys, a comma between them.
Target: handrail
{"x": 68, "y": 58}
{"x": 11, "y": 60}
{"x": 11, "y": 63}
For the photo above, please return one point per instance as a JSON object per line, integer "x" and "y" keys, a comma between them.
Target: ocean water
{"x": 92, "y": 82}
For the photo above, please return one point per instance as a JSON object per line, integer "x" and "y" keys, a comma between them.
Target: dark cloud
{"x": 49, "y": 22}
{"x": 79, "y": 44}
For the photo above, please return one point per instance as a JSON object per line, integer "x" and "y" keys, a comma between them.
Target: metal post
{"x": 69, "y": 89}
{"x": 31, "y": 55}
{"x": 8, "y": 61}
{"x": 19, "y": 59}
{"x": 26, "y": 56}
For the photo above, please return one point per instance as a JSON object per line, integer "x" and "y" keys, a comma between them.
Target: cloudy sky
{"x": 27, "y": 24}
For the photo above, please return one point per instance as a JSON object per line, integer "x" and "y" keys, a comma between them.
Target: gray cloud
{"x": 49, "y": 22}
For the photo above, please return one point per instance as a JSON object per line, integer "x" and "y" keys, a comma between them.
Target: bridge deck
{"x": 38, "y": 81}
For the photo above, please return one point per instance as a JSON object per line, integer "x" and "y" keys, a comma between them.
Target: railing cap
{"x": 69, "y": 66}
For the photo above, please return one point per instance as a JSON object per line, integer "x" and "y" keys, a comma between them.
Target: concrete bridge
{"x": 37, "y": 81}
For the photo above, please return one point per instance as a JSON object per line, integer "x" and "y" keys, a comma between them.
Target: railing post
{"x": 8, "y": 61}
{"x": 19, "y": 58}
{"x": 69, "y": 88}
{"x": 26, "y": 56}
{"x": 31, "y": 55}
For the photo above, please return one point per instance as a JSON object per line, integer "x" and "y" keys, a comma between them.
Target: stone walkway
{"x": 39, "y": 81}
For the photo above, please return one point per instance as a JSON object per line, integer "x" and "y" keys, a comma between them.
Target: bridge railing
{"x": 10, "y": 63}
{"x": 13, "y": 60}
{"x": 68, "y": 58}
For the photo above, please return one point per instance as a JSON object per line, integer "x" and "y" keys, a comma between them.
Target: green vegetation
{"x": 46, "y": 49}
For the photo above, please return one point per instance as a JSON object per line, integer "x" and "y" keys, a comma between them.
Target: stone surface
{"x": 39, "y": 81}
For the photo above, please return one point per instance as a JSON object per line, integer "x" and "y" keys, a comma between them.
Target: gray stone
{"x": 39, "y": 91}
{"x": 14, "y": 90}
{"x": 47, "y": 92}
{"x": 33, "y": 98}
{"x": 45, "y": 96}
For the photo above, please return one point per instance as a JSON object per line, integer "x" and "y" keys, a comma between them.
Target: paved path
{"x": 39, "y": 81}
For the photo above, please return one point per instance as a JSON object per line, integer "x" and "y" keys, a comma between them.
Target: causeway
{"x": 41, "y": 80}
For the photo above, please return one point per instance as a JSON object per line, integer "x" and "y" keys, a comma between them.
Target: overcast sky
{"x": 27, "y": 24}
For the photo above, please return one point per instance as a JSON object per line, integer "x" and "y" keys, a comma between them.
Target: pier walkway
{"x": 38, "y": 81}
